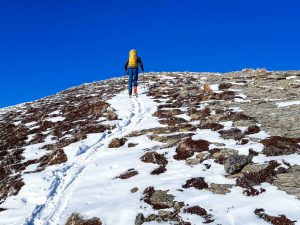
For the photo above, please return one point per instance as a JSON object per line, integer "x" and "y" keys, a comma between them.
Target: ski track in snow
{"x": 66, "y": 178}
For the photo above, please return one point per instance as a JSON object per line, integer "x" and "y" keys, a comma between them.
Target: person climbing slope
{"x": 131, "y": 68}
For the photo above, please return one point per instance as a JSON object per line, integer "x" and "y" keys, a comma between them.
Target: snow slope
{"x": 87, "y": 183}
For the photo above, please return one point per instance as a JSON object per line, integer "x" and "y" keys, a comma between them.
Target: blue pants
{"x": 133, "y": 76}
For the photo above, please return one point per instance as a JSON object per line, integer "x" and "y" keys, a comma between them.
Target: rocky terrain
{"x": 193, "y": 148}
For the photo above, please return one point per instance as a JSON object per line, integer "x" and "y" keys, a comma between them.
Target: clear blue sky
{"x": 49, "y": 45}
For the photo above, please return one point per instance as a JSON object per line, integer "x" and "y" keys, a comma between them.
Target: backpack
{"x": 133, "y": 59}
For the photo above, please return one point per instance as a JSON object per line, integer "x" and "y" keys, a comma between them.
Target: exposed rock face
{"x": 235, "y": 163}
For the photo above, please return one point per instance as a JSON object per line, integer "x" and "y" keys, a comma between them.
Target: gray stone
{"x": 135, "y": 189}
{"x": 162, "y": 198}
{"x": 289, "y": 182}
{"x": 139, "y": 219}
{"x": 220, "y": 188}
{"x": 235, "y": 163}
{"x": 200, "y": 157}
{"x": 254, "y": 168}
{"x": 224, "y": 154}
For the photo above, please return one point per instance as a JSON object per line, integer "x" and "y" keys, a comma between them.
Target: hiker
{"x": 131, "y": 68}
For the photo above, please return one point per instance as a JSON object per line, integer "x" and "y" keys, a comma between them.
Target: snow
{"x": 34, "y": 151}
{"x": 30, "y": 124}
{"x": 291, "y": 77}
{"x": 289, "y": 103}
{"x": 214, "y": 87}
{"x": 184, "y": 116}
{"x": 56, "y": 112}
{"x": 56, "y": 119}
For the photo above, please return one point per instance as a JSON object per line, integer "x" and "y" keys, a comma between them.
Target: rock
{"x": 197, "y": 182}
{"x": 222, "y": 155}
{"x": 163, "y": 213}
{"x": 167, "y": 113}
{"x": 223, "y": 86}
{"x": 200, "y": 157}
{"x": 76, "y": 219}
{"x": 235, "y": 163}
{"x": 129, "y": 173}
{"x": 139, "y": 219}
{"x": 218, "y": 144}
{"x": 197, "y": 210}
{"x": 276, "y": 220}
{"x": 277, "y": 145}
{"x": 232, "y": 133}
{"x": 187, "y": 147}
{"x": 117, "y": 142}
{"x": 178, "y": 205}
{"x": 135, "y": 189}
{"x": 162, "y": 199}
{"x": 159, "y": 199}
{"x": 254, "y": 168}
{"x": 170, "y": 138}
{"x": 151, "y": 217}
{"x": 289, "y": 182}
{"x": 154, "y": 157}
{"x": 250, "y": 179}
{"x": 131, "y": 145}
{"x": 252, "y": 130}
{"x": 159, "y": 170}
{"x": 220, "y": 188}
{"x": 212, "y": 126}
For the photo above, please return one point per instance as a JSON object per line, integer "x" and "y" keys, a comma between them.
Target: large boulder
{"x": 235, "y": 163}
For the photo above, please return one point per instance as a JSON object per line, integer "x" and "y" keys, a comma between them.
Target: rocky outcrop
{"x": 76, "y": 219}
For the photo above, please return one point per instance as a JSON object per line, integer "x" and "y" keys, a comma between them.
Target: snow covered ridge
{"x": 193, "y": 148}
